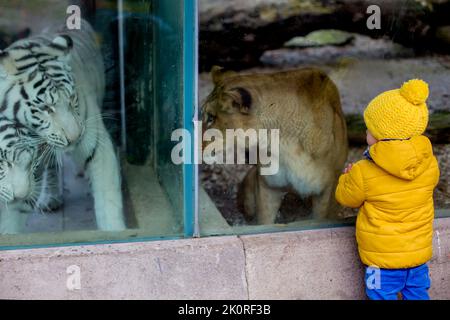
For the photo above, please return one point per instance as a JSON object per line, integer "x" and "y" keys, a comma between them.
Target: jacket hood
{"x": 405, "y": 159}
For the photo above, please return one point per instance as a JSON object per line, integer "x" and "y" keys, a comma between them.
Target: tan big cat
{"x": 305, "y": 106}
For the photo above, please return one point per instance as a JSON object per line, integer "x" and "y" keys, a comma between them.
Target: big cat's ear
{"x": 216, "y": 74}
{"x": 219, "y": 74}
{"x": 63, "y": 42}
{"x": 7, "y": 65}
{"x": 242, "y": 99}
{"x": 62, "y": 45}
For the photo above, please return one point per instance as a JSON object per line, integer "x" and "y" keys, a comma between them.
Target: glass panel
{"x": 264, "y": 48}
{"x": 169, "y": 96}
{"x": 111, "y": 95}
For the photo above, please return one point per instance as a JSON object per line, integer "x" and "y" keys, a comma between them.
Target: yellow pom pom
{"x": 415, "y": 91}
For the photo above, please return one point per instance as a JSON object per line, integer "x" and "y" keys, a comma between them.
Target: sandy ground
{"x": 221, "y": 182}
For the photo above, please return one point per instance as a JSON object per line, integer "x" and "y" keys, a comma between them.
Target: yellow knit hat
{"x": 399, "y": 114}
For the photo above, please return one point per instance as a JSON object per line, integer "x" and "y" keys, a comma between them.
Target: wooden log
{"x": 438, "y": 129}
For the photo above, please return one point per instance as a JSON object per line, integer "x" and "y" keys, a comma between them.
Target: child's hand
{"x": 348, "y": 168}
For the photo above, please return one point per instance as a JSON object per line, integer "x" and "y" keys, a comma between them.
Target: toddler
{"x": 393, "y": 189}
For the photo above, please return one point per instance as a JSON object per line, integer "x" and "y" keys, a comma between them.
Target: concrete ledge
{"x": 316, "y": 264}
{"x": 321, "y": 264}
{"x": 324, "y": 264}
{"x": 184, "y": 269}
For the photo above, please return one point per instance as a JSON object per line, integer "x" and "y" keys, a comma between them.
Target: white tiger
{"x": 26, "y": 182}
{"x": 17, "y": 159}
{"x": 53, "y": 84}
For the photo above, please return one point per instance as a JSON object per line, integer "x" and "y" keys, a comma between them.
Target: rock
{"x": 321, "y": 38}
{"x": 362, "y": 47}
{"x": 235, "y": 33}
{"x": 221, "y": 14}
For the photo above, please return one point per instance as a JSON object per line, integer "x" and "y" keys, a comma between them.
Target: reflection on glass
{"x": 86, "y": 121}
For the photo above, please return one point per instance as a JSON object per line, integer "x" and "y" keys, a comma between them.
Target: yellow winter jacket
{"x": 394, "y": 192}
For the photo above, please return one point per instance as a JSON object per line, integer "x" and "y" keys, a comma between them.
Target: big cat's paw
{"x": 51, "y": 205}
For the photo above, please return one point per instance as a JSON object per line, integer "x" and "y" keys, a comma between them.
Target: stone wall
{"x": 320, "y": 264}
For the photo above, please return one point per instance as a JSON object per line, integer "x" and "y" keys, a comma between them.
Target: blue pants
{"x": 385, "y": 284}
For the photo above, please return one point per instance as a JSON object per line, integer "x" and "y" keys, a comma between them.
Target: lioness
{"x": 305, "y": 106}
